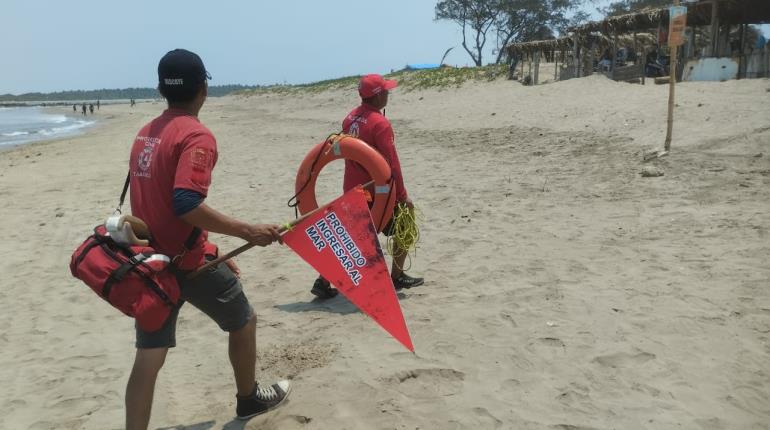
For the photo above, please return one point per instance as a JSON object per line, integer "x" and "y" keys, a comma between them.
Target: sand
{"x": 564, "y": 289}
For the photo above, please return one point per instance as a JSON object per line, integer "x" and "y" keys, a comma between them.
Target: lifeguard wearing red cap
{"x": 371, "y": 85}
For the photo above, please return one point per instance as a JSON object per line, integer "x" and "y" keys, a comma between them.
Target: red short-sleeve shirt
{"x": 369, "y": 125}
{"x": 173, "y": 151}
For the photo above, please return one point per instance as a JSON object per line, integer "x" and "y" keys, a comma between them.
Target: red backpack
{"x": 134, "y": 279}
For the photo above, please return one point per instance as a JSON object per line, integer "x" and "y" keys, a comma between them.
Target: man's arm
{"x": 207, "y": 218}
{"x": 191, "y": 183}
{"x": 385, "y": 143}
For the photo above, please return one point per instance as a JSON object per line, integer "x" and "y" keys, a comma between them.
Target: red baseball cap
{"x": 371, "y": 85}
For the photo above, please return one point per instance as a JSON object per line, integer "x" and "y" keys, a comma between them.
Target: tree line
{"x": 111, "y": 94}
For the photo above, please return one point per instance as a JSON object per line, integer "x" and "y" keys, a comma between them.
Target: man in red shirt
{"x": 367, "y": 123}
{"x": 171, "y": 162}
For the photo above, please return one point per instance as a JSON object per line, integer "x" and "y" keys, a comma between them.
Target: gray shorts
{"x": 216, "y": 292}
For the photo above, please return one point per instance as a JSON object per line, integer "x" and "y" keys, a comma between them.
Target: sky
{"x": 54, "y": 45}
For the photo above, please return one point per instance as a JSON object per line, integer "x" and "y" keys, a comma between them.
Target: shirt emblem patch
{"x": 200, "y": 159}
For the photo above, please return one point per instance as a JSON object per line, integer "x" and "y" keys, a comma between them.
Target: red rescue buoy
{"x": 341, "y": 146}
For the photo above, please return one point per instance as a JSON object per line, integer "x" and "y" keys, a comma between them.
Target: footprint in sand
{"x": 622, "y": 359}
{"x": 444, "y": 347}
{"x": 750, "y": 399}
{"x": 508, "y": 318}
{"x": 279, "y": 422}
{"x": 710, "y": 423}
{"x": 570, "y": 427}
{"x": 486, "y": 420}
{"x": 578, "y": 398}
{"x": 547, "y": 347}
{"x": 428, "y": 383}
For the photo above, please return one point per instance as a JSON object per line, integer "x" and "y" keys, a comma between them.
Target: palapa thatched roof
{"x": 560, "y": 44}
{"x": 731, "y": 12}
{"x": 568, "y": 43}
{"x": 643, "y": 20}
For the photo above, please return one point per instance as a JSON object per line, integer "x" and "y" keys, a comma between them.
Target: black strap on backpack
{"x": 123, "y": 193}
{"x": 194, "y": 234}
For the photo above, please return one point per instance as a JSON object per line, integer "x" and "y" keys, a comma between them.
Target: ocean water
{"x": 20, "y": 125}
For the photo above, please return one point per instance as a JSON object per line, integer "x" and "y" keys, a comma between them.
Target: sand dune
{"x": 564, "y": 290}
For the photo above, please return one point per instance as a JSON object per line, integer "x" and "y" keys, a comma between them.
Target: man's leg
{"x": 399, "y": 258}
{"x": 400, "y": 278}
{"x": 243, "y": 356}
{"x": 141, "y": 386}
{"x": 219, "y": 294}
{"x": 252, "y": 399}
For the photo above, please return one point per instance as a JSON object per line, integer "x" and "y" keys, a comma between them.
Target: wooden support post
{"x": 671, "y": 86}
{"x": 536, "y": 78}
{"x": 636, "y": 48}
{"x": 555, "y": 67}
{"x": 741, "y": 60}
{"x": 715, "y": 28}
{"x": 530, "y": 70}
{"x": 576, "y": 53}
{"x": 614, "y": 54}
{"x": 691, "y": 44}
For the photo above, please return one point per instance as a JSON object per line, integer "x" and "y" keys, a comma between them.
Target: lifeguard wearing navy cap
{"x": 181, "y": 74}
{"x": 171, "y": 162}
{"x": 368, "y": 123}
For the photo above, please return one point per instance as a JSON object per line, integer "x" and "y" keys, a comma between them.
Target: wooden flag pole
{"x": 284, "y": 228}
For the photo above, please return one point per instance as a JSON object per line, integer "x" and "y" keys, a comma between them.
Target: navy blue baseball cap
{"x": 181, "y": 71}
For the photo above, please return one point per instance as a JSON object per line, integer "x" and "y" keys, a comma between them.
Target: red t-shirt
{"x": 173, "y": 151}
{"x": 369, "y": 125}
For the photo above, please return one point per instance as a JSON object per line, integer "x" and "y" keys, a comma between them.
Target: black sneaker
{"x": 323, "y": 290}
{"x": 406, "y": 281}
{"x": 262, "y": 399}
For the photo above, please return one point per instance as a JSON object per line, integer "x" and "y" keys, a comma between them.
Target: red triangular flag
{"x": 340, "y": 242}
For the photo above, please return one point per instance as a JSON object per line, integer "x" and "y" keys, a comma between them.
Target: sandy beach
{"x": 563, "y": 290}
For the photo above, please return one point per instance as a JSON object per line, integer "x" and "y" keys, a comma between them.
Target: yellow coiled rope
{"x": 406, "y": 232}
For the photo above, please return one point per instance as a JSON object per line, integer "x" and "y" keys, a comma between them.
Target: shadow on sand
{"x": 200, "y": 426}
{"x": 338, "y": 305}
{"x": 235, "y": 424}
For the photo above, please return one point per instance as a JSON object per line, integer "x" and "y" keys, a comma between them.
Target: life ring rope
{"x": 342, "y": 146}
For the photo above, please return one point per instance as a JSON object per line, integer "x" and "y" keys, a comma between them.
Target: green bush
{"x": 408, "y": 80}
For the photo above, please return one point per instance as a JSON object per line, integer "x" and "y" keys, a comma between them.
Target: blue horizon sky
{"x": 57, "y": 46}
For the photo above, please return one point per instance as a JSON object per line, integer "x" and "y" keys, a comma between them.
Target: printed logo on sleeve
{"x": 200, "y": 159}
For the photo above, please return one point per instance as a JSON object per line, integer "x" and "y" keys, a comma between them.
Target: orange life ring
{"x": 341, "y": 146}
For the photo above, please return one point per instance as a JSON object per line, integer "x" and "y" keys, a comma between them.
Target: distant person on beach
{"x": 169, "y": 184}
{"x": 98, "y": 103}
{"x": 84, "y": 109}
{"x": 367, "y": 123}
{"x": 91, "y": 108}
{"x": 74, "y": 108}
{"x": 133, "y": 102}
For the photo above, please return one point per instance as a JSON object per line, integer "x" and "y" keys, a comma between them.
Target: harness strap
{"x": 191, "y": 239}
{"x": 117, "y": 275}
{"x": 94, "y": 243}
{"x": 131, "y": 266}
{"x": 123, "y": 193}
